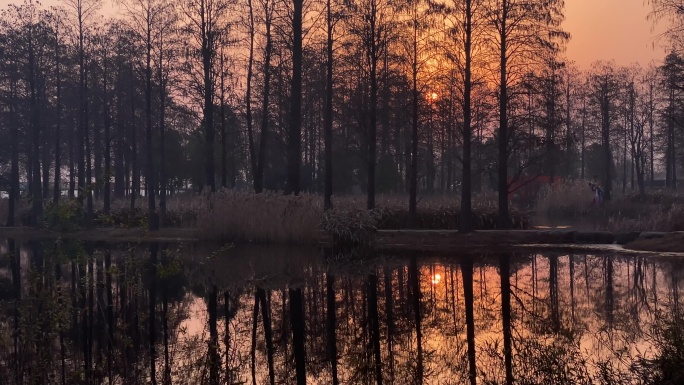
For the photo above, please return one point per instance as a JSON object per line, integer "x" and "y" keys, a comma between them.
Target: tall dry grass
{"x": 665, "y": 218}
{"x": 266, "y": 217}
{"x": 569, "y": 198}
{"x": 4, "y": 203}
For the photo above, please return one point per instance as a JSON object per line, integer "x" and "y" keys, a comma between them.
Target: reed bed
{"x": 266, "y": 217}
{"x": 4, "y": 203}
{"x": 665, "y": 218}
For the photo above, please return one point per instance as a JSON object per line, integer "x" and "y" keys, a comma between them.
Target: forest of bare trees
{"x": 139, "y": 99}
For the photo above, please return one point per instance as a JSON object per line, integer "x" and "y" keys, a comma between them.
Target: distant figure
{"x": 598, "y": 192}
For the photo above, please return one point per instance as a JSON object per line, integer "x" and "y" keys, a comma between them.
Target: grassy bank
{"x": 657, "y": 210}
{"x": 271, "y": 217}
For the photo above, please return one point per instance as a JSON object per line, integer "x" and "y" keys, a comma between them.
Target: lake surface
{"x": 79, "y": 313}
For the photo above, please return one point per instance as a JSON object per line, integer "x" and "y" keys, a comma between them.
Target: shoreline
{"x": 406, "y": 240}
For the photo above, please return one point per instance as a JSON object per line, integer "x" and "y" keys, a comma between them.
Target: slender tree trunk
{"x": 413, "y": 182}
{"x": 248, "y": 97}
{"x": 263, "y": 140}
{"x": 374, "y": 53}
{"x": 163, "y": 182}
{"x": 14, "y": 142}
{"x": 294, "y": 143}
{"x": 57, "y": 187}
{"x": 207, "y": 66}
{"x": 465, "y": 224}
{"x": 107, "y": 137}
{"x": 152, "y": 219}
{"x": 328, "y": 118}
{"x": 36, "y": 194}
{"x": 224, "y": 171}
{"x": 504, "y": 220}
{"x": 135, "y": 176}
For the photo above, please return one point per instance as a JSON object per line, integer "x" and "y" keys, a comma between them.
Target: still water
{"x": 77, "y": 313}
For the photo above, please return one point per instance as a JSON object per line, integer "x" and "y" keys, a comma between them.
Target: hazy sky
{"x": 601, "y": 30}
{"x": 611, "y": 29}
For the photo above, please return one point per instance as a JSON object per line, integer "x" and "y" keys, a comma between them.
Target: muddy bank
{"x": 497, "y": 239}
{"x": 103, "y": 234}
{"x": 670, "y": 242}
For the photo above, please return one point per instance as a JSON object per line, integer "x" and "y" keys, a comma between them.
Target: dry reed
{"x": 266, "y": 217}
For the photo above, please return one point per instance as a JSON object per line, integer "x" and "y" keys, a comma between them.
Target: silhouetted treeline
{"x": 374, "y": 96}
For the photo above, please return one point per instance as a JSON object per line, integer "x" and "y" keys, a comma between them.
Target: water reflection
{"x": 74, "y": 313}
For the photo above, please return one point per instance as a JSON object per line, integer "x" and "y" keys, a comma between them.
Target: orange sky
{"x": 611, "y": 29}
{"x": 601, "y": 30}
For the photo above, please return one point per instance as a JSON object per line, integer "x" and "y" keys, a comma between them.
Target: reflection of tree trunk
{"x": 374, "y": 323}
{"x": 213, "y": 337}
{"x": 331, "y": 325}
{"x": 298, "y": 337}
{"x": 16, "y": 281}
{"x": 415, "y": 287}
{"x": 226, "y": 335}
{"x": 505, "y": 274}
{"x": 389, "y": 313}
{"x": 165, "y": 330}
{"x": 467, "y": 272}
{"x": 572, "y": 289}
{"x": 608, "y": 280}
{"x": 154, "y": 247}
{"x": 266, "y": 319}
{"x": 553, "y": 293}
{"x": 255, "y": 320}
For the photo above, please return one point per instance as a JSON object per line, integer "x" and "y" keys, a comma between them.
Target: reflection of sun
{"x": 434, "y": 96}
{"x": 436, "y": 279}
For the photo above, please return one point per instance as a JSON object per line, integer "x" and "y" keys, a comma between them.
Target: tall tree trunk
{"x": 294, "y": 143}
{"x": 465, "y": 224}
{"x": 504, "y": 219}
{"x": 36, "y": 194}
{"x": 107, "y": 137}
{"x": 413, "y": 181}
{"x": 163, "y": 182}
{"x": 224, "y": 171}
{"x": 152, "y": 219}
{"x": 207, "y": 67}
{"x": 135, "y": 176}
{"x": 373, "y": 129}
{"x": 263, "y": 140}
{"x": 328, "y": 118}
{"x": 248, "y": 97}
{"x": 57, "y": 187}
{"x": 14, "y": 142}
